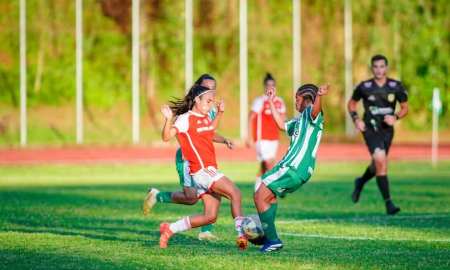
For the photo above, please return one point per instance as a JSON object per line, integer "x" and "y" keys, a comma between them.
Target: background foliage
{"x": 414, "y": 35}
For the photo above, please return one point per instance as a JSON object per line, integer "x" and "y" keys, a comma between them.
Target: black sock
{"x": 383, "y": 185}
{"x": 368, "y": 174}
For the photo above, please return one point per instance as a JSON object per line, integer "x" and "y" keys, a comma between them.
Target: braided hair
{"x": 308, "y": 91}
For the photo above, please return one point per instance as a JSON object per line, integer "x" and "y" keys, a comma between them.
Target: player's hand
{"x": 249, "y": 143}
{"x": 221, "y": 105}
{"x": 390, "y": 119}
{"x": 360, "y": 125}
{"x": 229, "y": 143}
{"x": 167, "y": 112}
{"x": 271, "y": 93}
{"x": 323, "y": 90}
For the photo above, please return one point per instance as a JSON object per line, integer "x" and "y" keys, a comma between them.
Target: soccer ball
{"x": 252, "y": 227}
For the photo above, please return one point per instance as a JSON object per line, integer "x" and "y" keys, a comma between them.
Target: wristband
{"x": 396, "y": 116}
{"x": 354, "y": 115}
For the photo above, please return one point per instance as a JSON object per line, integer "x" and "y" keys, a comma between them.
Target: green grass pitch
{"x": 89, "y": 217}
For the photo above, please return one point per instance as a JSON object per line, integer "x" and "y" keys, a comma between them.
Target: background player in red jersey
{"x": 265, "y": 130}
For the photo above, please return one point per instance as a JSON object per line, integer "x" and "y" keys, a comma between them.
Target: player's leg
{"x": 266, "y": 155}
{"x": 381, "y": 162}
{"x": 266, "y": 204}
{"x": 276, "y": 182}
{"x": 262, "y": 167}
{"x": 188, "y": 196}
{"x": 211, "y": 205}
{"x": 226, "y": 188}
{"x": 374, "y": 142}
{"x": 260, "y": 173}
{"x": 369, "y": 173}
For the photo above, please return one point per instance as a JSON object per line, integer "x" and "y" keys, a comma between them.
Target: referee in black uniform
{"x": 379, "y": 96}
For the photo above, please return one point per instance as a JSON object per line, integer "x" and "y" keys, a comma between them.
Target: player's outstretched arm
{"x": 251, "y": 117}
{"x": 220, "y": 111}
{"x": 279, "y": 119}
{"x": 167, "y": 132}
{"x": 317, "y": 108}
{"x": 221, "y": 139}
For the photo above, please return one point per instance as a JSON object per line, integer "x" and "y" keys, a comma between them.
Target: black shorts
{"x": 378, "y": 140}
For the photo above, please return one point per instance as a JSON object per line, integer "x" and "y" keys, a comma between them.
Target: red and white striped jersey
{"x": 195, "y": 134}
{"x": 264, "y": 127}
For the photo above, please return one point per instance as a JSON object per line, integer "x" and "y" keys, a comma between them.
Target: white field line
{"x": 362, "y": 238}
{"x": 376, "y": 218}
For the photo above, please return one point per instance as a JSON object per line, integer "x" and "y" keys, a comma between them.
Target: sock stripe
{"x": 187, "y": 223}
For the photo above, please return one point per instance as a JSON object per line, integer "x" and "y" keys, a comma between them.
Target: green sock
{"x": 273, "y": 208}
{"x": 164, "y": 196}
{"x": 207, "y": 228}
{"x": 268, "y": 223}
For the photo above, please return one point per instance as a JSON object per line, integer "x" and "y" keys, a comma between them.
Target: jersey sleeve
{"x": 282, "y": 108}
{"x": 212, "y": 113}
{"x": 309, "y": 116}
{"x": 401, "y": 94}
{"x": 357, "y": 93}
{"x": 289, "y": 125}
{"x": 181, "y": 124}
{"x": 257, "y": 105}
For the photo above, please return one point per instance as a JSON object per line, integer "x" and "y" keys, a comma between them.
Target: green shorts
{"x": 183, "y": 170}
{"x": 282, "y": 180}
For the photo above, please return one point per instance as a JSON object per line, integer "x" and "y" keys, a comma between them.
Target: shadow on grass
{"x": 98, "y": 208}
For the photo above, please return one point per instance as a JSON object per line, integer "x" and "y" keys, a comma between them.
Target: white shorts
{"x": 266, "y": 149}
{"x": 205, "y": 179}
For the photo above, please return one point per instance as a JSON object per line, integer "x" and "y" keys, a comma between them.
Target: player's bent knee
{"x": 210, "y": 218}
{"x": 191, "y": 201}
{"x": 236, "y": 195}
{"x": 257, "y": 197}
{"x": 211, "y": 221}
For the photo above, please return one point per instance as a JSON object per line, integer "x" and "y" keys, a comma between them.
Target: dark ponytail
{"x": 181, "y": 106}
{"x": 268, "y": 78}
{"x": 204, "y": 77}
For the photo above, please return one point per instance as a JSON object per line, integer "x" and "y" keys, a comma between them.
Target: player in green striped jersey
{"x": 298, "y": 164}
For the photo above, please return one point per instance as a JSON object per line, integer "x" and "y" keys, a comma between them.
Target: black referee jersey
{"x": 379, "y": 101}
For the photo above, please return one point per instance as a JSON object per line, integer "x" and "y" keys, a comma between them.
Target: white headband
{"x": 204, "y": 93}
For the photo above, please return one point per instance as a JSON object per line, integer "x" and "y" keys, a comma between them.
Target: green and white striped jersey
{"x": 305, "y": 138}
{"x": 212, "y": 113}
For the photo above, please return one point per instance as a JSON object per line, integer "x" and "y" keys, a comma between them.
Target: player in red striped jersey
{"x": 195, "y": 134}
{"x": 265, "y": 130}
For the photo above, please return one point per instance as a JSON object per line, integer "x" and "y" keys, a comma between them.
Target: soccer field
{"x": 89, "y": 217}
